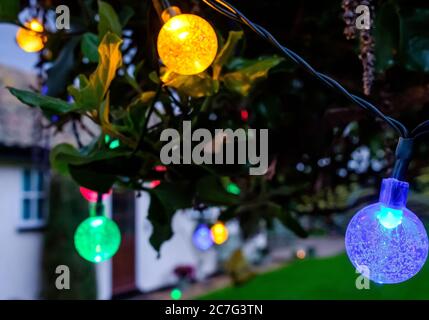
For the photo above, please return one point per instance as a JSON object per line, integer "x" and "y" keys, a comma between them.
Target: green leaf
{"x": 46, "y": 103}
{"x": 65, "y": 154}
{"x": 101, "y": 174}
{"x": 289, "y": 221}
{"x": 136, "y": 111}
{"x": 109, "y": 21}
{"x": 226, "y": 52}
{"x": 89, "y": 46}
{"x": 59, "y": 73}
{"x": 166, "y": 199}
{"x": 160, "y": 218}
{"x": 111, "y": 129}
{"x": 87, "y": 177}
{"x": 92, "y": 167}
{"x": 125, "y": 15}
{"x": 143, "y": 99}
{"x": 243, "y": 80}
{"x": 132, "y": 81}
{"x": 196, "y": 86}
{"x": 211, "y": 191}
{"x": 9, "y": 10}
{"x": 60, "y": 156}
{"x": 91, "y": 92}
{"x": 105, "y": 111}
{"x": 153, "y": 76}
{"x": 272, "y": 209}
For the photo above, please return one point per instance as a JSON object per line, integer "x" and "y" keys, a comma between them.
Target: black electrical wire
{"x": 406, "y": 141}
{"x": 421, "y": 129}
{"x": 231, "y": 12}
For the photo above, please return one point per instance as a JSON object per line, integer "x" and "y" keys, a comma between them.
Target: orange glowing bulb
{"x": 301, "y": 254}
{"x": 219, "y": 233}
{"x": 31, "y": 39}
{"x": 187, "y": 44}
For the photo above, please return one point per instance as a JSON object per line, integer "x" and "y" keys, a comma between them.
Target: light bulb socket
{"x": 403, "y": 154}
{"x": 97, "y": 209}
{"x": 169, "y": 13}
{"x": 394, "y": 193}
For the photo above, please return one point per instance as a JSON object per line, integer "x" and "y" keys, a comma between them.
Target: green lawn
{"x": 329, "y": 278}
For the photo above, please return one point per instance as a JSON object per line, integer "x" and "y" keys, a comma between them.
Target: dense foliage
{"x": 322, "y": 150}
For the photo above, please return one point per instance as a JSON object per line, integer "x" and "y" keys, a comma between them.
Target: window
{"x": 33, "y": 212}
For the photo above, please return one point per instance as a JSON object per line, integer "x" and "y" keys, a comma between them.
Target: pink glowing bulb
{"x": 244, "y": 115}
{"x": 153, "y": 184}
{"x": 160, "y": 168}
{"x": 91, "y": 196}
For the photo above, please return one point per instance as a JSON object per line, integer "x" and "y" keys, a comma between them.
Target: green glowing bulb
{"x": 113, "y": 144}
{"x": 176, "y": 294}
{"x": 233, "y": 188}
{"x": 97, "y": 239}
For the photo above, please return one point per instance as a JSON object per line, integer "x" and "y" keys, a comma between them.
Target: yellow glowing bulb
{"x": 35, "y": 25}
{"x": 219, "y": 233}
{"x": 31, "y": 40}
{"x": 187, "y": 44}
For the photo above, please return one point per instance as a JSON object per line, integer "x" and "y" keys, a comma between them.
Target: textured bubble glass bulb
{"x": 97, "y": 239}
{"x": 187, "y": 44}
{"x": 385, "y": 241}
{"x": 202, "y": 237}
{"x": 31, "y": 39}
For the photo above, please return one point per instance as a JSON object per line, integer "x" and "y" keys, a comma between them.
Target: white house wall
{"x": 20, "y": 253}
{"x": 103, "y": 270}
{"x": 153, "y": 272}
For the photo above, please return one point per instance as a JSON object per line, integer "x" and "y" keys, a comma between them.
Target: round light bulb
{"x": 386, "y": 242}
{"x": 176, "y": 294}
{"x": 31, "y": 40}
{"x": 97, "y": 239}
{"x": 202, "y": 238}
{"x": 187, "y": 44}
{"x": 301, "y": 254}
{"x": 91, "y": 196}
{"x": 219, "y": 233}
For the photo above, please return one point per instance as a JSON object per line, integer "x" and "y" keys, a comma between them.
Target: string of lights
{"x": 231, "y": 12}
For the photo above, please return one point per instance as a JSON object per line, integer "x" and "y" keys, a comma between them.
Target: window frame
{"x": 34, "y": 195}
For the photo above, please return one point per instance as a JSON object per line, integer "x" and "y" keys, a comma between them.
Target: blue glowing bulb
{"x": 385, "y": 241}
{"x": 202, "y": 238}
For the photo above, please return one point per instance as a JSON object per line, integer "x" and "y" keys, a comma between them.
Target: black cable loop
{"x": 234, "y": 14}
{"x": 422, "y": 128}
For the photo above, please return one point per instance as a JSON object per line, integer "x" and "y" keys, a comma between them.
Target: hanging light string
{"x": 99, "y": 206}
{"x": 234, "y": 14}
{"x": 405, "y": 144}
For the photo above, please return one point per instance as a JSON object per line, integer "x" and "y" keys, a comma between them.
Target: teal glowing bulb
{"x": 176, "y": 294}
{"x": 97, "y": 239}
{"x": 389, "y": 218}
